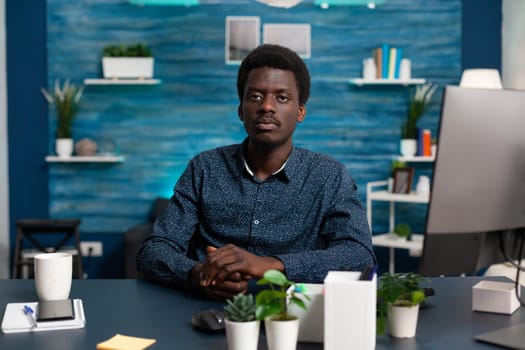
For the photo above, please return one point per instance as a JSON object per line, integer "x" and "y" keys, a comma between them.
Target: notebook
{"x": 16, "y": 321}
{"x": 512, "y": 337}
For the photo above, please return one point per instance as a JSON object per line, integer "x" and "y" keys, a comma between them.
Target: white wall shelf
{"x": 377, "y": 191}
{"x": 405, "y": 82}
{"x": 86, "y": 159}
{"x": 103, "y": 81}
{"x": 416, "y": 159}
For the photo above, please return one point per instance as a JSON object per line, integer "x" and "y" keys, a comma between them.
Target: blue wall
{"x": 159, "y": 128}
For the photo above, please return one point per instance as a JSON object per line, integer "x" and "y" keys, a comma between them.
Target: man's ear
{"x": 239, "y": 112}
{"x": 301, "y": 114}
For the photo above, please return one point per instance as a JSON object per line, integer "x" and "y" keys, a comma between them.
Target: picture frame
{"x": 242, "y": 34}
{"x": 403, "y": 180}
{"x": 296, "y": 36}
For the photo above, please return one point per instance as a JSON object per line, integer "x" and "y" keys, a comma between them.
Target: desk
{"x": 142, "y": 309}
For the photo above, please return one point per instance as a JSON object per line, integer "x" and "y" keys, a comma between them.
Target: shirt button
{"x": 256, "y": 222}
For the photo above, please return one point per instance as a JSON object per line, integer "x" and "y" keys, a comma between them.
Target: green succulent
{"x": 241, "y": 308}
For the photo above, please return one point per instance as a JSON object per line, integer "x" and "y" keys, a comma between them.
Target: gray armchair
{"x": 134, "y": 236}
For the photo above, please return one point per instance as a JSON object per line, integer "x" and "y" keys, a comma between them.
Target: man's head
{"x": 279, "y": 57}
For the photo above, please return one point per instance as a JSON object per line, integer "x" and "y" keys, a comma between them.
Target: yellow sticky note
{"x": 124, "y": 342}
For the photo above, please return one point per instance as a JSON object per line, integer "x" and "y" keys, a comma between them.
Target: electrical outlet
{"x": 95, "y": 247}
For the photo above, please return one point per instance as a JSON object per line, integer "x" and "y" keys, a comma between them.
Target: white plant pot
{"x": 127, "y": 67}
{"x": 408, "y": 147}
{"x": 402, "y": 321}
{"x": 281, "y": 335}
{"x": 242, "y": 335}
{"x": 64, "y": 147}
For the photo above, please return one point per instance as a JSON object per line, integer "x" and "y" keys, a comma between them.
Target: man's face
{"x": 270, "y": 107}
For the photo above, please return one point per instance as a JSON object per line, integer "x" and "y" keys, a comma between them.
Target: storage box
{"x": 311, "y": 320}
{"x": 349, "y": 311}
{"x": 497, "y": 297}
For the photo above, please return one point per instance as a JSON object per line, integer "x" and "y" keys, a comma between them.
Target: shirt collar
{"x": 287, "y": 170}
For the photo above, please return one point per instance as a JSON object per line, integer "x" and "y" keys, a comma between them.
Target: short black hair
{"x": 279, "y": 57}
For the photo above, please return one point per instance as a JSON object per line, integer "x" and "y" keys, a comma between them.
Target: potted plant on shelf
{"x": 273, "y": 306}
{"x": 66, "y": 99}
{"x": 242, "y": 328}
{"x": 418, "y": 102}
{"x": 128, "y": 62}
{"x": 399, "y": 296}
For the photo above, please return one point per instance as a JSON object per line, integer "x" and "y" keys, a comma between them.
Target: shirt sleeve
{"x": 163, "y": 257}
{"x": 345, "y": 237}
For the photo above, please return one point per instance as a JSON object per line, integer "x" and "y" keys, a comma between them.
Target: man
{"x": 242, "y": 209}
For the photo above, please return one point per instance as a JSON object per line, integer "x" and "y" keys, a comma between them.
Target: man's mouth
{"x": 266, "y": 124}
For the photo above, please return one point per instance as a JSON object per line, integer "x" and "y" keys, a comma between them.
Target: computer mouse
{"x": 209, "y": 321}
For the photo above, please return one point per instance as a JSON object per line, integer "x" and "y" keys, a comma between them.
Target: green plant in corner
{"x": 398, "y": 289}
{"x": 282, "y": 295}
{"x": 66, "y": 99}
{"x": 418, "y": 102}
{"x": 241, "y": 308}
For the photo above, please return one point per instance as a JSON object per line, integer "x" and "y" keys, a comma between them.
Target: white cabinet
{"x": 378, "y": 191}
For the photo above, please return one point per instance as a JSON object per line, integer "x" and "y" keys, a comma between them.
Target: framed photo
{"x": 243, "y": 34}
{"x": 296, "y": 37}
{"x": 403, "y": 180}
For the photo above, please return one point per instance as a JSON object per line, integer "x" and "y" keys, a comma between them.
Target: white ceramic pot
{"x": 281, "y": 335}
{"x": 423, "y": 185}
{"x": 402, "y": 321}
{"x": 127, "y": 67}
{"x": 242, "y": 335}
{"x": 408, "y": 147}
{"x": 64, "y": 147}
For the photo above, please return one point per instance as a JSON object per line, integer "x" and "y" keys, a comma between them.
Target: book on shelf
{"x": 424, "y": 142}
{"x": 378, "y": 59}
{"x": 388, "y": 61}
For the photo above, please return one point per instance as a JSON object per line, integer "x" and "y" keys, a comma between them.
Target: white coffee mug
{"x": 53, "y": 273}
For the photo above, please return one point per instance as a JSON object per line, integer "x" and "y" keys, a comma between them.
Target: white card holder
{"x": 349, "y": 311}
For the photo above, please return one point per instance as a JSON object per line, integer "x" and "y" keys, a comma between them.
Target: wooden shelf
{"x": 103, "y": 81}
{"x": 86, "y": 159}
{"x": 362, "y": 82}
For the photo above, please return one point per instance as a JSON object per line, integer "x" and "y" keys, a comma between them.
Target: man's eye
{"x": 283, "y": 98}
{"x": 254, "y": 97}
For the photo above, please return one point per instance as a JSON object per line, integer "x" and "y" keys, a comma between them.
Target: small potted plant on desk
{"x": 273, "y": 307}
{"x": 66, "y": 99}
{"x": 399, "y": 296}
{"x": 242, "y": 329}
{"x": 419, "y": 100}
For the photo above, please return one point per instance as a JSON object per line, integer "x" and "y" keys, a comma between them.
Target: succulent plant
{"x": 241, "y": 308}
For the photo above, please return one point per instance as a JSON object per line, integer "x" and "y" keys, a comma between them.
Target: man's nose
{"x": 268, "y": 103}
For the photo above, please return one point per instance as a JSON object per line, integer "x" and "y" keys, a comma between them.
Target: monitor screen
{"x": 478, "y": 185}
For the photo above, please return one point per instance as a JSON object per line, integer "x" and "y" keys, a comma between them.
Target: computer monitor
{"x": 478, "y": 186}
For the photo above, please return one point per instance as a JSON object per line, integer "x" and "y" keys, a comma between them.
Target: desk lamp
{"x": 481, "y": 78}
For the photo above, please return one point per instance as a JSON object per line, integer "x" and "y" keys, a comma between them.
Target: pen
{"x": 368, "y": 273}
{"x": 29, "y": 313}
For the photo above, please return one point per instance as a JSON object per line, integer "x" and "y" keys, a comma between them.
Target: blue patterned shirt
{"x": 307, "y": 215}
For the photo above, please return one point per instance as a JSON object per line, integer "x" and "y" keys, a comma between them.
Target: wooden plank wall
{"x": 159, "y": 128}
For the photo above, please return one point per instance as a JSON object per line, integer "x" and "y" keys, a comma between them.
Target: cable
{"x": 517, "y": 284}
{"x": 506, "y": 256}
